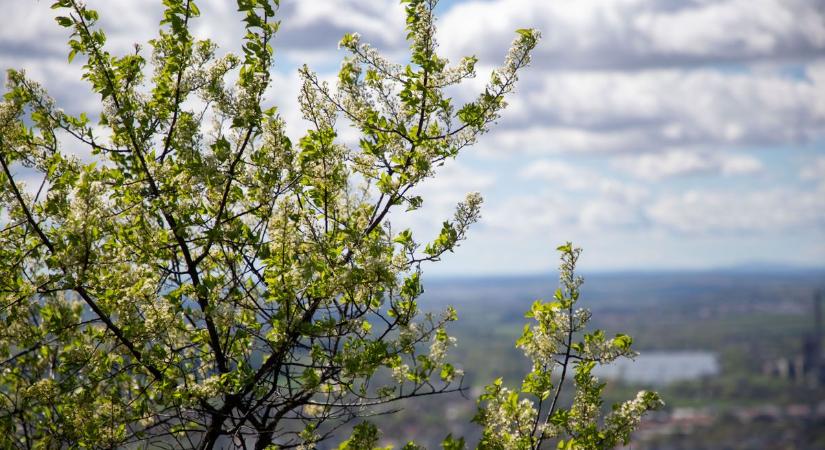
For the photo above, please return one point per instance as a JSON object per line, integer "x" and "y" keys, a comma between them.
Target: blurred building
{"x": 809, "y": 366}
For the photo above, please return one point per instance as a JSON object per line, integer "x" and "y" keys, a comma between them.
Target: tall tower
{"x": 818, "y": 315}
{"x": 817, "y": 361}
{"x": 813, "y": 364}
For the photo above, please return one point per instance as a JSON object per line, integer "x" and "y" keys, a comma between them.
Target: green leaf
{"x": 64, "y": 21}
{"x": 451, "y": 443}
{"x": 525, "y": 32}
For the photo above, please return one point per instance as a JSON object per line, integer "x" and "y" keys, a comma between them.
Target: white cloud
{"x": 588, "y": 200}
{"x": 321, "y": 23}
{"x": 770, "y": 211}
{"x": 453, "y": 176}
{"x": 550, "y": 212}
{"x": 452, "y": 183}
{"x": 657, "y": 166}
{"x": 34, "y": 34}
{"x": 609, "y": 214}
{"x": 547, "y": 139}
{"x": 569, "y": 196}
{"x": 738, "y": 164}
{"x": 695, "y": 212}
{"x": 649, "y": 110}
{"x": 526, "y": 214}
{"x": 814, "y": 170}
{"x": 598, "y": 34}
{"x": 558, "y": 175}
{"x": 752, "y": 27}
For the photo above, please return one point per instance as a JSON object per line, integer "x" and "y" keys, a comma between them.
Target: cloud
{"x": 651, "y": 110}
{"x": 35, "y": 35}
{"x": 634, "y": 34}
{"x": 452, "y": 183}
{"x": 657, "y": 166}
{"x": 814, "y": 170}
{"x": 555, "y": 212}
{"x": 559, "y": 175}
{"x": 526, "y": 214}
{"x": 576, "y": 199}
{"x": 320, "y": 24}
{"x": 695, "y": 212}
{"x": 569, "y": 196}
{"x": 769, "y": 211}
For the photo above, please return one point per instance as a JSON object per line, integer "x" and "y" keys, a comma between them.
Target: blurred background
{"x": 680, "y": 142}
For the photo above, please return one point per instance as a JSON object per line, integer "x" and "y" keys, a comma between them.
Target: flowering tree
{"x": 558, "y": 343}
{"x": 208, "y": 282}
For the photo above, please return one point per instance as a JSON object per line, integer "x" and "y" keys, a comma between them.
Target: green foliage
{"x": 206, "y": 280}
{"x": 556, "y": 343}
{"x": 364, "y": 437}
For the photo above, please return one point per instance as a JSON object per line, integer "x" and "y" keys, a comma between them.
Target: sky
{"x": 656, "y": 134}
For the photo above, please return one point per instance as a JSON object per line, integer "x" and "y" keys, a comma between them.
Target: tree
{"x": 559, "y": 342}
{"x": 206, "y": 281}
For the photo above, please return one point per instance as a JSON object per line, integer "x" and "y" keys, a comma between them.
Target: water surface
{"x": 661, "y": 367}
